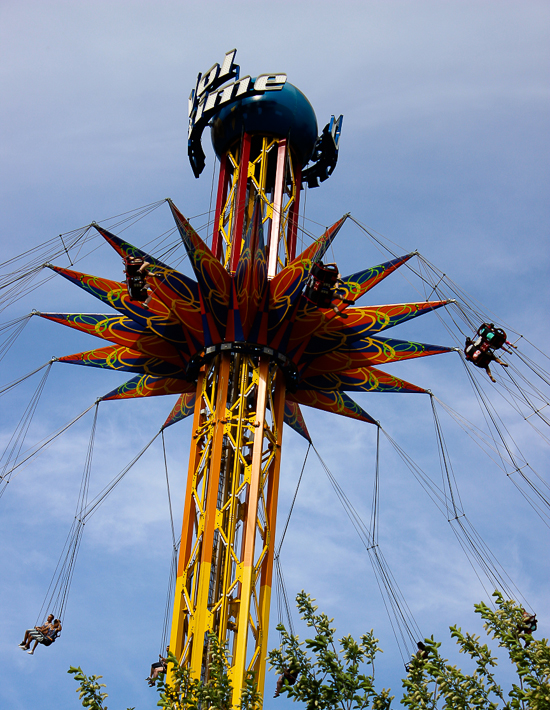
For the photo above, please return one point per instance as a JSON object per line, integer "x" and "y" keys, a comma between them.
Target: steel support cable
{"x": 16, "y": 326}
{"x": 82, "y": 502}
{"x": 402, "y": 614}
{"x": 466, "y": 550}
{"x": 278, "y": 551}
{"x": 279, "y": 597}
{"x": 488, "y": 415}
{"x": 393, "y": 253}
{"x": 522, "y": 393}
{"x": 174, "y": 558}
{"x": 23, "y": 289}
{"x": 71, "y": 238}
{"x": 282, "y": 601}
{"x": 282, "y": 598}
{"x": 169, "y": 602}
{"x": 445, "y": 463}
{"x": 168, "y": 490}
{"x": 471, "y": 539}
{"x": 524, "y": 396}
{"x": 9, "y": 386}
{"x": 493, "y": 568}
{"x": 480, "y": 550}
{"x": 109, "y": 488}
{"x": 485, "y": 442}
{"x": 50, "y": 250}
{"x": 136, "y": 215}
{"x": 17, "y": 439}
{"x": 470, "y": 311}
{"x": 17, "y": 276}
{"x": 468, "y": 299}
{"x": 44, "y": 443}
{"x": 517, "y": 469}
{"x": 58, "y": 590}
{"x": 63, "y": 574}
{"x": 436, "y": 494}
{"x": 463, "y": 302}
{"x": 375, "y": 493}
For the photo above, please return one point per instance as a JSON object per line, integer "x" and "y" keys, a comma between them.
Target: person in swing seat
{"x": 421, "y": 654}
{"x": 31, "y": 634}
{"x": 527, "y": 626}
{"x": 322, "y": 287}
{"x": 137, "y": 269}
{"x": 44, "y": 635}
{"x": 157, "y": 668}
{"x": 492, "y": 337}
{"x": 481, "y": 357}
{"x": 290, "y": 675}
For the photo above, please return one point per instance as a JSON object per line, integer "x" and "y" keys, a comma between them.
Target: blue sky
{"x": 444, "y": 149}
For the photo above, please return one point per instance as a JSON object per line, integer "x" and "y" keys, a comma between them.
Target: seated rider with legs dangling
{"x": 322, "y": 287}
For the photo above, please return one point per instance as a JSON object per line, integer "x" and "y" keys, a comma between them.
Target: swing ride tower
{"x": 244, "y": 345}
{"x": 225, "y": 565}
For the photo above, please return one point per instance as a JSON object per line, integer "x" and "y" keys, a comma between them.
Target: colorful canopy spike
{"x": 335, "y": 402}
{"x": 182, "y": 409}
{"x": 149, "y": 386}
{"x": 163, "y": 342}
{"x": 295, "y": 419}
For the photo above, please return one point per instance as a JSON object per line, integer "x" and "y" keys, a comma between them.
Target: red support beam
{"x": 237, "y": 236}
{"x": 223, "y": 182}
{"x": 294, "y": 213}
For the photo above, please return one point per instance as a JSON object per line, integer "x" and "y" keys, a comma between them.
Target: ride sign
{"x": 212, "y": 92}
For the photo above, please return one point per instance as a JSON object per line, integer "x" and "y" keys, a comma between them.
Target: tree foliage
{"x": 324, "y": 673}
{"x": 182, "y": 692}
{"x": 89, "y": 689}
{"x": 332, "y": 674}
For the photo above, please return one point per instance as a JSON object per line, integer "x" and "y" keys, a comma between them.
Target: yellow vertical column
{"x": 249, "y": 536}
{"x": 278, "y": 407}
{"x": 202, "y": 616}
{"x": 181, "y": 611}
{"x": 191, "y": 616}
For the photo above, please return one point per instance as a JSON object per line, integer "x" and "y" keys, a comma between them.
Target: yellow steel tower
{"x": 226, "y": 556}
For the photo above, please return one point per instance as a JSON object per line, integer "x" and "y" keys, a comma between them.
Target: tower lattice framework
{"x": 226, "y": 556}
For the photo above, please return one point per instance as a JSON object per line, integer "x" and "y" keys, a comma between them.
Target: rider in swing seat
{"x": 322, "y": 287}
{"x": 495, "y": 338}
{"x": 157, "y": 668}
{"x": 137, "y": 270}
{"x": 481, "y": 356}
{"x": 288, "y": 676}
{"x": 44, "y": 635}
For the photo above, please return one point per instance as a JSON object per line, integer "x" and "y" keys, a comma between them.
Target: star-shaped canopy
{"x": 324, "y": 356}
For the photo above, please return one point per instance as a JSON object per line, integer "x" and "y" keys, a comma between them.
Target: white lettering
{"x": 242, "y": 85}
{"x": 210, "y": 101}
{"x": 207, "y": 79}
{"x": 270, "y": 82}
{"x": 226, "y": 94}
{"x": 198, "y": 114}
{"x": 227, "y": 64}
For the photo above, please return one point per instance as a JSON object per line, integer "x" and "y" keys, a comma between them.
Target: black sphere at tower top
{"x": 285, "y": 113}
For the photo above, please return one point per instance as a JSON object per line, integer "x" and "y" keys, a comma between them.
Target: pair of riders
{"x": 527, "y": 626}
{"x": 480, "y": 351}
{"x": 136, "y": 270}
{"x": 322, "y": 287}
{"x": 45, "y": 635}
